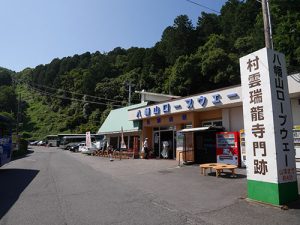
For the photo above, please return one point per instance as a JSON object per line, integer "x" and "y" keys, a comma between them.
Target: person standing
{"x": 145, "y": 146}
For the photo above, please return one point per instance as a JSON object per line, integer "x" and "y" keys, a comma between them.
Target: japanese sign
{"x": 267, "y": 117}
{"x": 204, "y": 101}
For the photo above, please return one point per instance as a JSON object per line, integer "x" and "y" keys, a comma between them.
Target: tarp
{"x": 201, "y": 129}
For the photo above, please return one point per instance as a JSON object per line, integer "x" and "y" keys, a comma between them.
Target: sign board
{"x": 270, "y": 150}
{"x": 88, "y": 141}
{"x": 123, "y": 145}
{"x": 209, "y": 100}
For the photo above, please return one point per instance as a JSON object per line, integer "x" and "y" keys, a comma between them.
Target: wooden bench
{"x": 220, "y": 168}
{"x": 204, "y": 167}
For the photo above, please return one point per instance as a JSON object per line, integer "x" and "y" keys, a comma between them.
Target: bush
{"x": 23, "y": 149}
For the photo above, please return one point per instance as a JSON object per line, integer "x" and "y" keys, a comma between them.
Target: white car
{"x": 81, "y": 147}
{"x": 89, "y": 150}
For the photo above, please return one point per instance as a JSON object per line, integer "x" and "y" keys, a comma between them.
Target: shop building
{"x": 191, "y": 123}
{"x": 117, "y": 124}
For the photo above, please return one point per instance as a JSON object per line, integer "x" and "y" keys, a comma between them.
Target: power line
{"x": 112, "y": 100}
{"x": 48, "y": 93}
{"x": 72, "y": 99}
{"x": 68, "y": 98}
{"x": 203, "y": 6}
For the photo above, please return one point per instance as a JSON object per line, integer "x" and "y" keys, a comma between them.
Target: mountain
{"x": 75, "y": 93}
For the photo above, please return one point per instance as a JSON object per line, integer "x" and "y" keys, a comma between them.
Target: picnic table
{"x": 219, "y": 167}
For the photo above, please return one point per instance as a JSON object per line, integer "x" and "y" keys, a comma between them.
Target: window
{"x": 212, "y": 123}
{"x": 188, "y": 126}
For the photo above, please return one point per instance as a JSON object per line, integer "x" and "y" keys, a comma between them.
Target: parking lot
{"x": 81, "y": 189}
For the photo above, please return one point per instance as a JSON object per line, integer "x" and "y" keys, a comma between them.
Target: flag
{"x": 88, "y": 141}
{"x": 123, "y": 145}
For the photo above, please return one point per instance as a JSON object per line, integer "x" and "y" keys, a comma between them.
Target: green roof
{"x": 118, "y": 118}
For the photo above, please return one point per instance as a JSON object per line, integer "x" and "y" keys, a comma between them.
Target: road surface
{"x": 52, "y": 186}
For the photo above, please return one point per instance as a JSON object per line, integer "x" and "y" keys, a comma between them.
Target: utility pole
{"x": 129, "y": 94}
{"x": 267, "y": 24}
{"x": 18, "y": 120}
{"x": 130, "y": 85}
{"x": 18, "y": 114}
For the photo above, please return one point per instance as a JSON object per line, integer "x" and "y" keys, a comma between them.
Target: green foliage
{"x": 23, "y": 149}
{"x": 8, "y": 99}
{"x": 5, "y": 77}
{"x": 177, "y": 40}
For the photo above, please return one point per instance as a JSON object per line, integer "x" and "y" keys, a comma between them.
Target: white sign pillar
{"x": 271, "y": 168}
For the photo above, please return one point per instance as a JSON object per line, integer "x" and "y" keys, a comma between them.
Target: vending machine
{"x": 243, "y": 148}
{"x": 297, "y": 145}
{"x": 228, "y": 148}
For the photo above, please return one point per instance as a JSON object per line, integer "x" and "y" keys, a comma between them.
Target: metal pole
{"x": 18, "y": 120}
{"x": 129, "y": 97}
{"x": 270, "y": 25}
{"x": 267, "y": 22}
{"x": 18, "y": 114}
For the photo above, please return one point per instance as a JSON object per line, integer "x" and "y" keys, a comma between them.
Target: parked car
{"x": 33, "y": 142}
{"x": 81, "y": 146}
{"x": 68, "y": 146}
{"x": 41, "y": 143}
{"x": 76, "y": 147}
{"x": 89, "y": 150}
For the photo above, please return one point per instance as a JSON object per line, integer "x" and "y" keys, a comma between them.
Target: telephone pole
{"x": 267, "y": 24}
{"x": 18, "y": 115}
{"x": 130, "y": 85}
{"x": 18, "y": 121}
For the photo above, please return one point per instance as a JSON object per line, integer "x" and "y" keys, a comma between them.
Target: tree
{"x": 8, "y": 99}
{"x": 219, "y": 67}
{"x": 183, "y": 77}
{"x": 287, "y": 39}
{"x": 208, "y": 23}
{"x": 5, "y": 77}
{"x": 177, "y": 40}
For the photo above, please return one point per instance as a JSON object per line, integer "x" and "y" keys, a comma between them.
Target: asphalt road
{"x": 51, "y": 186}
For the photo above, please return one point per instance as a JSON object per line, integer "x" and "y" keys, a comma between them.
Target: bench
{"x": 204, "y": 167}
{"x": 220, "y": 168}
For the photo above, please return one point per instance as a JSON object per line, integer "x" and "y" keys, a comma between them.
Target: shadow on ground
{"x": 13, "y": 183}
{"x": 228, "y": 175}
{"x": 22, "y": 154}
{"x": 295, "y": 204}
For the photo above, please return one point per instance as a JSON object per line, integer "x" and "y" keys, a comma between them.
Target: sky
{"x": 34, "y": 32}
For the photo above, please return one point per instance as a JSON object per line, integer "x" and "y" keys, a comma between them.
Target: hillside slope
{"x": 38, "y": 119}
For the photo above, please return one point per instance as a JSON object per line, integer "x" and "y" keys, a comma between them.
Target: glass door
{"x": 156, "y": 144}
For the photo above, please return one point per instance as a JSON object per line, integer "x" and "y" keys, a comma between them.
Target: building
{"x": 193, "y": 115}
{"x": 117, "y": 123}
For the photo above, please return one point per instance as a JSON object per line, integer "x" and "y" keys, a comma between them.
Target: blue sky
{"x": 34, "y": 32}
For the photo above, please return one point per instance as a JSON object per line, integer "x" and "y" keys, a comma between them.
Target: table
{"x": 204, "y": 167}
{"x": 219, "y": 169}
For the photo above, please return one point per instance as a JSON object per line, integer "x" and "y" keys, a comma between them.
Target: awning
{"x": 118, "y": 118}
{"x": 186, "y": 130}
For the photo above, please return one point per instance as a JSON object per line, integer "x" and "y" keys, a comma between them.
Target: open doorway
{"x": 164, "y": 144}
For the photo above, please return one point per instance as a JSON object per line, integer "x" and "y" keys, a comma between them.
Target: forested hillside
{"x": 8, "y": 98}
{"x": 80, "y": 90}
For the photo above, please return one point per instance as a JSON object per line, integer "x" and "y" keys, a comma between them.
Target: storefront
{"x": 163, "y": 122}
{"x": 117, "y": 126}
